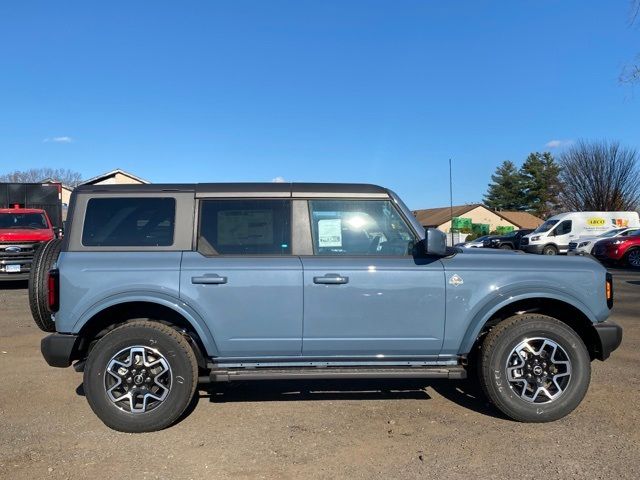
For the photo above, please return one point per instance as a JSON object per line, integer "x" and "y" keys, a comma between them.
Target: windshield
{"x": 546, "y": 226}
{"x": 35, "y": 221}
{"x": 612, "y": 233}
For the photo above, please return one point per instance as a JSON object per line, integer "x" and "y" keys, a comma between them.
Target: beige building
{"x": 116, "y": 176}
{"x": 440, "y": 218}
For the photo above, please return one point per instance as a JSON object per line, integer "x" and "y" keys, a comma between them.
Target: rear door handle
{"x": 331, "y": 279}
{"x": 209, "y": 280}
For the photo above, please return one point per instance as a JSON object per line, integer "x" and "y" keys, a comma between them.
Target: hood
{"x": 25, "y": 235}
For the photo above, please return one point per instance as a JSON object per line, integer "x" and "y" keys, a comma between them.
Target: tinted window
{"x": 129, "y": 222}
{"x": 35, "y": 221}
{"x": 359, "y": 227}
{"x": 563, "y": 228}
{"x": 245, "y": 227}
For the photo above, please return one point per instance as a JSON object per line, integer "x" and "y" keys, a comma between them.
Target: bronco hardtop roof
{"x": 274, "y": 189}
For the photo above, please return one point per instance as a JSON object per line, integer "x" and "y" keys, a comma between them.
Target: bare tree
{"x": 631, "y": 72}
{"x": 600, "y": 176}
{"x": 35, "y": 175}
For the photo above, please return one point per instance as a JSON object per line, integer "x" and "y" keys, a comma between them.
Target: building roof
{"x": 433, "y": 217}
{"x": 53, "y": 180}
{"x": 113, "y": 173}
{"x": 521, "y": 219}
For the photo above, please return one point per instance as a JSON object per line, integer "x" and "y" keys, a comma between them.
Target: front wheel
{"x": 140, "y": 377}
{"x": 549, "y": 250}
{"x": 506, "y": 246}
{"x": 633, "y": 258}
{"x": 534, "y": 368}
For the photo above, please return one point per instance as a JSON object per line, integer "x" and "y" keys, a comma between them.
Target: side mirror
{"x": 435, "y": 242}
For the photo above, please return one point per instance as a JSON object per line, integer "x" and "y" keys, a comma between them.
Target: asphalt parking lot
{"x": 316, "y": 430}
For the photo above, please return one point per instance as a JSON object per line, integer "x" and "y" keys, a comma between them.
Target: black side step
{"x": 314, "y": 373}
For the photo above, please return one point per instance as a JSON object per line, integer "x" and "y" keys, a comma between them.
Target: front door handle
{"x": 209, "y": 280}
{"x": 331, "y": 279}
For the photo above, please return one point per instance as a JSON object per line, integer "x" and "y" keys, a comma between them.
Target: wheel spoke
{"x": 137, "y": 379}
{"x": 538, "y": 370}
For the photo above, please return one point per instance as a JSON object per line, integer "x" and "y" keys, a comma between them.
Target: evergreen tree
{"x": 541, "y": 184}
{"x": 506, "y": 190}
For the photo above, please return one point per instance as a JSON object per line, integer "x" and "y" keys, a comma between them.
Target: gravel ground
{"x": 316, "y": 430}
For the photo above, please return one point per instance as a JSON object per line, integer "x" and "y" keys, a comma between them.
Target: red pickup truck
{"x": 22, "y": 231}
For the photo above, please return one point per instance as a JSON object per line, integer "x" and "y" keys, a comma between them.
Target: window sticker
{"x": 245, "y": 227}
{"x": 330, "y": 232}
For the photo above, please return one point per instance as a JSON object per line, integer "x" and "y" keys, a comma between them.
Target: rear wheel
{"x": 549, "y": 250}
{"x": 506, "y": 246}
{"x": 140, "y": 377}
{"x": 633, "y": 258}
{"x": 534, "y": 368}
{"x": 43, "y": 260}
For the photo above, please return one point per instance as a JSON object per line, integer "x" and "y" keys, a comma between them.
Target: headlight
{"x": 618, "y": 242}
{"x": 583, "y": 244}
{"x": 535, "y": 239}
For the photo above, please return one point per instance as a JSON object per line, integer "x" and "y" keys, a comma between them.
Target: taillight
{"x": 609, "y": 290}
{"x": 54, "y": 290}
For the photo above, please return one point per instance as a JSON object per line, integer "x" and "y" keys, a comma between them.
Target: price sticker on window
{"x": 330, "y": 232}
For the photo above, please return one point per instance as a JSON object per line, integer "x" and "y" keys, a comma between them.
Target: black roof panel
{"x": 274, "y": 189}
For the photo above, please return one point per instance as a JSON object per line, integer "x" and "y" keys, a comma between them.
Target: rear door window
{"x": 245, "y": 227}
{"x": 129, "y": 222}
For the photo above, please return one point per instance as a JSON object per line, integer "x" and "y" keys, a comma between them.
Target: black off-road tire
{"x": 167, "y": 342}
{"x": 631, "y": 258}
{"x": 45, "y": 257}
{"x": 495, "y": 352}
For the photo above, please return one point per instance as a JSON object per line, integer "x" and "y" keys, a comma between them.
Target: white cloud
{"x": 63, "y": 139}
{"x": 278, "y": 179}
{"x": 558, "y": 143}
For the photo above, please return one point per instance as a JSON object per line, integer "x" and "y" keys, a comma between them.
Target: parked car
{"x": 158, "y": 288}
{"x": 585, "y": 245}
{"x": 509, "y": 241}
{"x": 476, "y": 243}
{"x": 619, "y": 250}
{"x": 554, "y": 235}
{"x": 22, "y": 232}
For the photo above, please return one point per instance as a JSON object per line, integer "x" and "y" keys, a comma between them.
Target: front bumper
{"x": 610, "y": 336}
{"x": 58, "y": 349}
{"x": 533, "y": 249}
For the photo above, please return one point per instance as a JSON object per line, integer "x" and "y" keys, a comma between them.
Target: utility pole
{"x": 451, "y": 201}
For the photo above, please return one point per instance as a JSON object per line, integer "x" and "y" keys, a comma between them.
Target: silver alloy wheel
{"x": 634, "y": 258}
{"x": 538, "y": 370}
{"x": 137, "y": 379}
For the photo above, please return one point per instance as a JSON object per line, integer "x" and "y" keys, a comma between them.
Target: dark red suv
{"x": 624, "y": 250}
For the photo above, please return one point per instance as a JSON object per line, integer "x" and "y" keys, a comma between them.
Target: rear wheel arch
{"x": 113, "y": 316}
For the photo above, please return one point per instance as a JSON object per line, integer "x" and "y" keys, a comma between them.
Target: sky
{"x": 359, "y": 91}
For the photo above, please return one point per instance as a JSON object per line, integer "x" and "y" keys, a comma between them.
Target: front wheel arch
{"x": 558, "y": 309}
{"x": 627, "y": 255}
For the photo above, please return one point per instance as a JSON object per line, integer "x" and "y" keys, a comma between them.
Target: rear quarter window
{"x": 129, "y": 222}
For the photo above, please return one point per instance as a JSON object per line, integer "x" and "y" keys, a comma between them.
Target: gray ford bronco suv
{"x": 156, "y": 289}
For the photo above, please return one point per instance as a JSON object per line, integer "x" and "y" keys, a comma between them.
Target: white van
{"x": 554, "y": 235}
